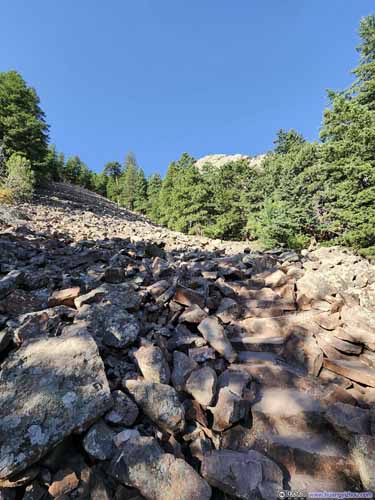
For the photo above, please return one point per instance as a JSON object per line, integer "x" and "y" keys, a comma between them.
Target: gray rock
{"x": 201, "y": 384}
{"x": 49, "y": 388}
{"x": 228, "y": 310}
{"x": 110, "y": 324}
{"x": 214, "y": 333}
{"x": 363, "y": 453}
{"x": 235, "y": 380}
{"x": 193, "y": 314}
{"x": 121, "y": 329}
{"x": 242, "y": 474}
{"x": 124, "y": 410}
{"x": 124, "y": 436}
{"x": 89, "y": 298}
{"x": 157, "y": 475}
{"x": 348, "y": 420}
{"x": 182, "y": 367}
{"x": 152, "y": 363}
{"x": 98, "y": 442}
{"x": 229, "y": 409}
{"x": 159, "y": 402}
{"x": 201, "y": 354}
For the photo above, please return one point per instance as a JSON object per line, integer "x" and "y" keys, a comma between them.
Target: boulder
{"x": 363, "y": 453}
{"x": 201, "y": 384}
{"x": 188, "y": 297}
{"x": 229, "y": 409}
{"x": 182, "y": 367}
{"x": 124, "y": 410}
{"x": 157, "y": 475}
{"x": 242, "y": 474}
{"x": 159, "y": 402}
{"x": 348, "y": 420}
{"x": 152, "y": 363}
{"x": 98, "y": 442}
{"x": 214, "y": 333}
{"x": 354, "y": 370}
{"x": 49, "y": 388}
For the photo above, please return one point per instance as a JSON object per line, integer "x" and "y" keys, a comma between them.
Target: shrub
{"x": 20, "y": 179}
{"x": 6, "y": 196}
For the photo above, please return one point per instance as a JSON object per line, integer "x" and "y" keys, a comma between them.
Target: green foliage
{"x": 100, "y": 183}
{"x": 153, "y": 192}
{"x": 20, "y": 179}
{"x": 22, "y": 122}
{"x": 54, "y": 163}
{"x": 286, "y": 141}
{"x": 128, "y": 182}
{"x": 112, "y": 169}
{"x": 140, "y": 192}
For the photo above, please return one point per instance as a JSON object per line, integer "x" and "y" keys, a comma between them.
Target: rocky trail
{"x": 136, "y": 362}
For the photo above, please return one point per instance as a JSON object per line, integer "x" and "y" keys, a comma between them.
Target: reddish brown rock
{"x": 64, "y": 297}
{"x": 188, "y": 297}
{"x": 64, "y": 482}
{"x": 354, "y": 370}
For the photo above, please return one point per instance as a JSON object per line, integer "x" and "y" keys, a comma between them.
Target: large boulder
{"x": 157, "y": 475}
{"x": 242, "y": 474}
{"x": 49, "y": 388}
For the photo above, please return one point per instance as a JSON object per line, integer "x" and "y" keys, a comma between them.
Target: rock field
{"x": 137, "y": 362}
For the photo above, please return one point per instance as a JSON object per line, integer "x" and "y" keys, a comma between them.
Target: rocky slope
{"x": 140, "y": 363}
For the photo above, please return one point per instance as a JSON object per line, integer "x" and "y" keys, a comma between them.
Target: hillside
{"x": 138, "y": 362}
{"x": 79, "y": 214}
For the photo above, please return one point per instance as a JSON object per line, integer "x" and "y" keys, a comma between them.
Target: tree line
{"x": 323, "y": 189}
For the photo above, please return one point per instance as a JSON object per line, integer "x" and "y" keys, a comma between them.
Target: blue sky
{"x": 160, "y": 77}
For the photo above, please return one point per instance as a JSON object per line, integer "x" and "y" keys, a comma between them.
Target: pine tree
{"x": 286, "y": 141}
{"x": 99, "y": 183}
{"x": 54, "y": 164}
{"x": 153, "y": 192}
{"x": 140, "y": 193}
{"x": 22, "y": 122}
{"x": 128, "y": 182}
{"x": 364, "y": 87}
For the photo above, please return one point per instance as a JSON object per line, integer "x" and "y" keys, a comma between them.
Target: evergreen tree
{"x": 286, "y": 141}
{"x": 140, "y": 192}
{"x": 54, "y": 163}
{"x": 227, "y": 200}
{"x": 100, "y": 182}
{"x": 128, "y": 182}
{"x": 112, "y": 172}
{"x": 364, "y": 87}
{"x": 167, "y": 210}
{"x": 153, "y": 192}
{"x": 189, "y": 201}
{"x": 22, "y": 122}
{"x": 76, "y": 172}
{"x": 112, "y": 169}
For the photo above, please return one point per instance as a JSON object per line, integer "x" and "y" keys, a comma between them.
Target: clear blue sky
{"x": 160, "y": 77}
